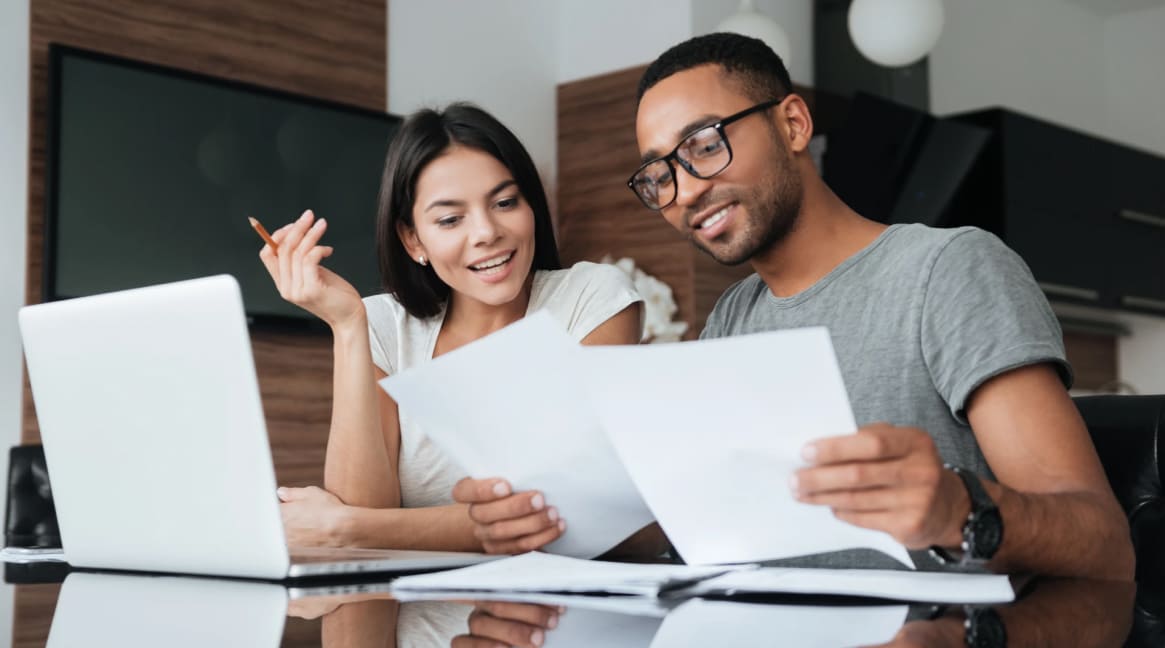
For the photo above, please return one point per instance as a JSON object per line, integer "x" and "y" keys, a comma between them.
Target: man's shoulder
{"x": 930, "y": 241}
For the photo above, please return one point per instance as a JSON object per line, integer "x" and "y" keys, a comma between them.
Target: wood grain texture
{"x": 33, "y": 614}
{"x": 597, "y": 214}
{"x": 334, "y": 50}
{"x": 1093, "y": 357}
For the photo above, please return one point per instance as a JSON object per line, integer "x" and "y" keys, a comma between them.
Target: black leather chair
{"x": 30, "y": 517}
{"x": 1127, "y": 432}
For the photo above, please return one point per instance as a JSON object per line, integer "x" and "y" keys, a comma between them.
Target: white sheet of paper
{"x": 511, "y": 405}
{"x": 699, "y": 623}
{"x": 541, "y": 572}
{"x": 711, "y": 432}
{"x": 915, "y": 586}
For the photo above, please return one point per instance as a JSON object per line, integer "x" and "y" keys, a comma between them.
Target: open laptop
{"x": 155, "y": 441}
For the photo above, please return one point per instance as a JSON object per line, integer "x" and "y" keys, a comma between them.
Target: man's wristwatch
{"x": 983, "y": 530}
{"x": 984, "y": 628}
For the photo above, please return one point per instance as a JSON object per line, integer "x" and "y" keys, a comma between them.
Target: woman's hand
{"x": 497, "y": 624}
{"x": 301, "y": 279}
{"x": 312, "y": 517}
{"x": 505, "y": 522}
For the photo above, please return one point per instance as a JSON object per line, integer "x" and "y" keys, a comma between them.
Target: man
{"x": 949, "y": 351}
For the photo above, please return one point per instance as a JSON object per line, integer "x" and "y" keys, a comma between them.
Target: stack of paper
{"x": 539, "y": 572}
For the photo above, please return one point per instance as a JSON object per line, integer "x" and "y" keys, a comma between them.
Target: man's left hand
{"x": 889, "y": 479}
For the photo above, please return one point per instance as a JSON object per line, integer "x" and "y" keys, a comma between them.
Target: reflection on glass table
{"x": 134, "y": 610}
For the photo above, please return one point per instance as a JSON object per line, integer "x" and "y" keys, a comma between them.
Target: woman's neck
{"x": 467, "y": 319}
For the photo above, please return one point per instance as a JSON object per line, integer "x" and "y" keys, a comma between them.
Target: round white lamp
{"x": 894, "y": 33}
{"x": 747, "y": 21}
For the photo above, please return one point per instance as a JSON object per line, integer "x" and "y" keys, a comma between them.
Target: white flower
{"x": 659, "y": 303}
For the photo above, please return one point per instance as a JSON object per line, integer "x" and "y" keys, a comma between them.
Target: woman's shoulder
{"x": 581, "y": 277}
{"x": 383, "y": 306}
{"x": 385, "y": 313}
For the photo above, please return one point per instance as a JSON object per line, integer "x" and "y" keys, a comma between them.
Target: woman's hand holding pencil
{"x": 292, "y": 256}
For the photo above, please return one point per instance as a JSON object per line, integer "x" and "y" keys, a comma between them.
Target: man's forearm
{"x": 1080, "y": 534}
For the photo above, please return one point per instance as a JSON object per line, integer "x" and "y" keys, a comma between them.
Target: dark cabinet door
{"x": 1053, "y": 169}
{"x": 1062, "y": 249}
{"x": 1137, "y": 264}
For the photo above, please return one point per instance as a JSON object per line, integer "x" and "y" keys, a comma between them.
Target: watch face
{"x": 987, "y": 533}
{"x": 985, "y": 629}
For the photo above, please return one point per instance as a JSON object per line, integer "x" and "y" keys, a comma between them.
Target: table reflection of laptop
{"x": 155, "y": 441}
{"x": 172, "y": 611}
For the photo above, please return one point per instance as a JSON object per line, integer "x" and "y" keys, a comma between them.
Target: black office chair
{"x": 30, "y": 518}
{"x": 1127, "y": 431}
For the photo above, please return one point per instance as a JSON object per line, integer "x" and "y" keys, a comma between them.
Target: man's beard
{"x": 772, "y": 209}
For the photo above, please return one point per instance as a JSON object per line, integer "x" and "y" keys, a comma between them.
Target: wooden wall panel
{"x": 597, "y": 213}
{"x": 1094, "y": 360}
{"x": 334, "y": 50}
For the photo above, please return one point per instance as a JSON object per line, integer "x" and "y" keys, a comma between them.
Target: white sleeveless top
{"x": 580, "y": 298}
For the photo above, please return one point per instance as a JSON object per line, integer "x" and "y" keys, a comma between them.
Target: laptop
{"x": 155, "y": 440}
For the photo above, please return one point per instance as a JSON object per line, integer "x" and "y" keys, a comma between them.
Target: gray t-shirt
{"x": 919, "y": 319}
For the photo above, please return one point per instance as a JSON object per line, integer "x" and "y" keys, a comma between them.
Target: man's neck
{"x": 826, "y": 233}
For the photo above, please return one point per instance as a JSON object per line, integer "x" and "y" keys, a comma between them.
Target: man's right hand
{"x": 508, "y": 522}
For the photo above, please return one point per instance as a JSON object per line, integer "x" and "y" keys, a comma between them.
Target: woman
{"x": 466, "y": 247}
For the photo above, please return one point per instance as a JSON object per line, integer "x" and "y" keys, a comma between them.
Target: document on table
{"x": 924, "y": 587}
{"x": 541, "y": 572}
{"x": 712, "y": 431}
{"x": 511, "y": 405}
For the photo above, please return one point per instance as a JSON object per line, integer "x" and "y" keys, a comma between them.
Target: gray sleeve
{"x": 984, "y": 315}
{"x": 714, "y": 325}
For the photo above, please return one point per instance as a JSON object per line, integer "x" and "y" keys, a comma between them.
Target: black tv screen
{"x": 152, "y": 173}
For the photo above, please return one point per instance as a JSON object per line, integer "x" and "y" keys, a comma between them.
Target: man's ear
{"x": 796, "y": 123}
{"x": 408, "y": 238}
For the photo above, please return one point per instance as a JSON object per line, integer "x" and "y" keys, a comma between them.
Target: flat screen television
{"x": 152, "y": 172}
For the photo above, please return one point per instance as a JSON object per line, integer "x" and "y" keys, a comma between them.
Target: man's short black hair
{"x": 758, "y": 69}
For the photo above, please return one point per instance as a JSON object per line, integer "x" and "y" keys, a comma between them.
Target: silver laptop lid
{"x": 153, "y": 429}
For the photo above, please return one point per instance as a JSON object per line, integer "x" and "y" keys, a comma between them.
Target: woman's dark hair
{"x": 423, "y": 137}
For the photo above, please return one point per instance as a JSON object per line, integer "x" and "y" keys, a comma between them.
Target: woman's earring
{"x": 421, "y": 260}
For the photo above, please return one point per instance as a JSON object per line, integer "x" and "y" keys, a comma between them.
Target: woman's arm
{"x": 364, "y": 441}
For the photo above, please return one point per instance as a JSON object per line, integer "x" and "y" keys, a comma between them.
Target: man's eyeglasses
{"x": 703, "y": 154}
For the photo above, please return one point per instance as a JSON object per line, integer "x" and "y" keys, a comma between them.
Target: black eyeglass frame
{"x": 673, "y": 157}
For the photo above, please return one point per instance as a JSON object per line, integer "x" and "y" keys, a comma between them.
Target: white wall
{"x": 1099, "y": 73}
{"x": 14, "y": 59}
{"x": 794, "y": 16}
{"x": 599, "y": 36}
{"x": 1135, "y": 92}
{"x": 1041, "y": 57}
{"x": 498, "y": 54}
